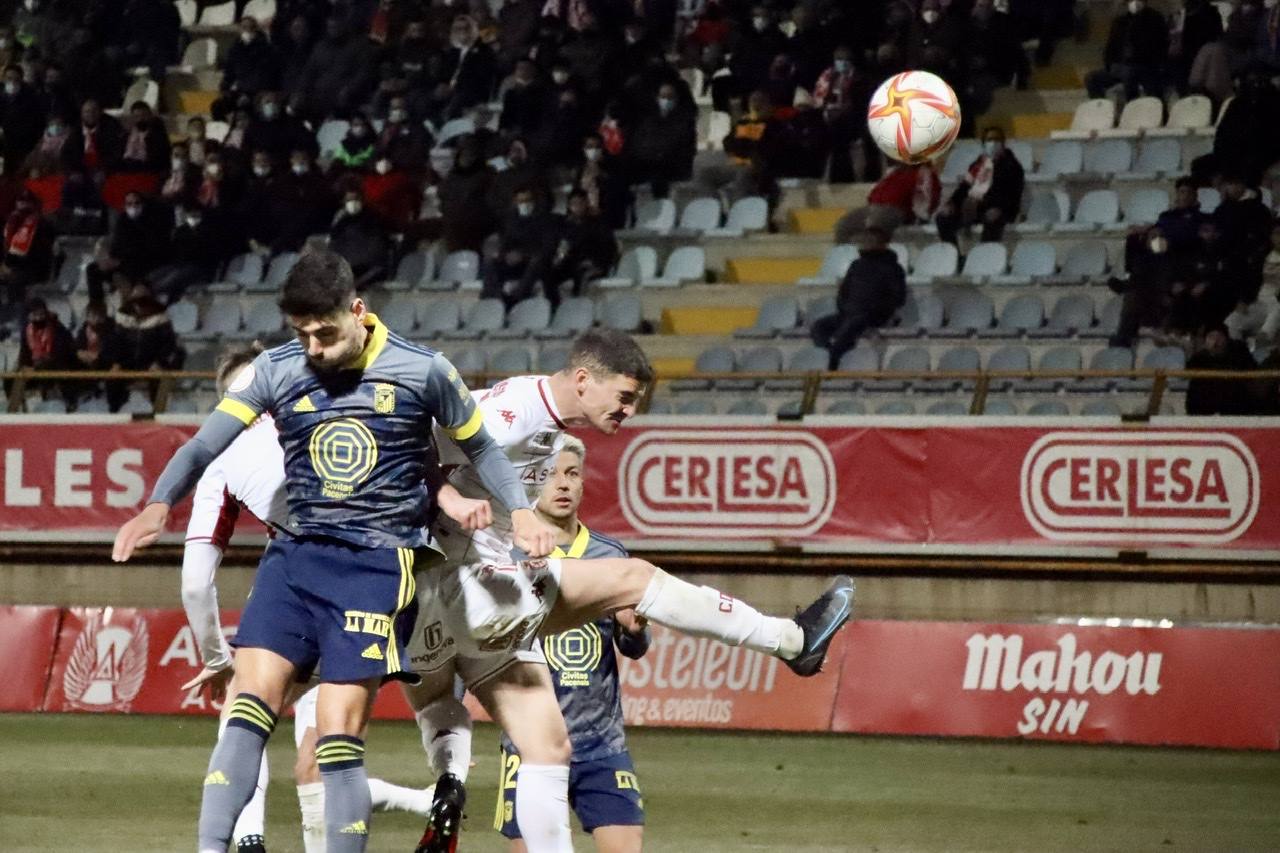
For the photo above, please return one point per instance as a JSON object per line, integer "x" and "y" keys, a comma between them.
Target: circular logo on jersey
{"x": 343, "y": 452}
{"x": 243, "y": 380}
{"x": 574, "y": 654}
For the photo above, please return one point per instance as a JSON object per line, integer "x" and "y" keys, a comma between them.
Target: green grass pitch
{"x": 114, "y": 783}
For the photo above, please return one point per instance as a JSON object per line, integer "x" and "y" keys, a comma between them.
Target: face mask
{"x": 560, "y": 77}
{"x": 382, "y": 167}
{"x": 666, "y": 105}
{"x": 459, "y": 42}
{"x": 213, "y": 170}
{"x": 261, "y": 171}
{"x": 54, "y": 129}
{"x": 1266, "y": 4}
{"x": 299, "y": 168}
{"x": 3, "y": 43}
{"x": 353, "y": 207}
{"x": 1158, "y": 245}
{"x": 178, "y": 164}
{"x": 1001, "y": 6}
{"x": 592, "y": 154}
{"x": 1134, "y": 7}
{"x": 270, "y": 111}
{"x": 30, "y": 5}
{"x": 524, "y": 208}
{"x": 132, "y": 211}
{"x": 11, "y": 88}
{"x": 246, "y": 37}
{"x": 930, "y": 17}
{"x": 760, "y": 24}
{"x": 397, "y": 116}
{"x": 842, "y": 66}
{"x": 193, "y": 221}
{"x": 360, "y": 131}
{"x": 993, "y": 147}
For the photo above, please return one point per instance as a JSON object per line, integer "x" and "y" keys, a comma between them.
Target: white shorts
{"x": 480, "y": 609}
{"x": 304, "y": 714}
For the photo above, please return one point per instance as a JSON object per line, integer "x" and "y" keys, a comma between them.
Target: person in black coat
{"x": 146, "y": 145}
{"x": 198, "y": 246}
{"x": 252, "y": 64}
{"x": 468, "y": 73}
{"x": 1153, "y": 261}
{"x": 1135, "y": 55}
{"x": 662, "y": 146}
{"x": 585, "y": 248}
{"x": 361, "y": 238}
{"x": 403, "y": 140}
{"x": 527, "y": 101}
{"x": 139, "y": 242}
{"x": 872, "y": 290}
{"x": 524, "y": 252}
{"x": 302, "y": 204}
{"x": 273, "y": 130}
{"x": 1244, "y": 225}
{"x": 464, "y": 195}
{"x": 990, "y": 192}
{"x": 1220, "y": 396}
{"x": 753, "y": 49}
{"x": 96, "y": 143}
{"x": 22, "y": 116}
{"x": 1201, "y": 24}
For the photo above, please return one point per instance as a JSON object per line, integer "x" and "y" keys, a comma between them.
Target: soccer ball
{"x": 914, "y": 116}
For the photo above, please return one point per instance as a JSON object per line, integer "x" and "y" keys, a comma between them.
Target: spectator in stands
{"x": 10, "y": 48}
{"x": 664, "y": 142}
{"x": 1135, "y": 55}
{"x": 1262, "y": 316}
{"x": 1268, "y": 51}
{"x": 53, "y": 94}
{"x": 842, "y": 92}
{"x": 585, "y": 248}
{"x": 254, "y": 212}
{"x": 990, "y": 192}
{"x": 464, "y": 195}
{"x": 95, "y": 144}
{"x": 146, "y": 147}
{"x": 359, "y": 236}
{"x": 339, "y": 72}
{"x": 780, "y": 86}
{"x": 469, "y": 71}
{"x": 754, "y": 146}
{"x": 906, "y": 195}
{"x": 198, "y": 145}
{"x": 936, "y": 41}
{"x": 147, "y": 339}
{"x": 1204, "y": 291}
{"x": 525, "y": 248}
{"x": 183, "y": 178}
{"x": 556, "y": 144}
{"x": 293, "y": 45}
{"x": 1152, "y": 265}
{"x": 21, "y": 115}
{"x": 525, "y": 100}
{"x": 394, "y": 195}
{"x": 219, "y": 189}
{"x": 50, "y": 147}
{"x": 517, "y": 171}
{"x": 753, "y": 48}
{"x": 1244, "y": 224}
{"x": 302, "y": 204}
{"x": 806, "y": 142}
{"x": 600, "y": 177}
{"x": 46, "y": 344}
{"x": 82, "y": 211}
{"x": 355, "y": 153}
{"x": 1180, "y": 224}
{"x": 874, "y": 287}
{"x": 28, "y": 248}
{"x": 1197, "y": 25}
{"x": 98, "y": 347}
{"x": 273, "y": 130}
{"x": 517, "y": 29}
{"x": 252, "y": 65}
{"x": 198, "y": 246}
{"x": 1241, "y": 142}
{"x": 1219, "y": 351}
{"x": 151, "y": 29}
{"x": 38, "y": 25}
{"x": 139, "y": 243}
{"x": 1244, "y": 25}
{"x": 403, "y": 142}
{"x": 993, "y": 54}
{"x": 1211, "y": 72}
{"x": 11, "y": 186}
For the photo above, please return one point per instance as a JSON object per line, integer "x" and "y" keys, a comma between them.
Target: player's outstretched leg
{"x": 446, "y": 737}
{"x": 591, "y": 588}
{"x": 444, "y": 822}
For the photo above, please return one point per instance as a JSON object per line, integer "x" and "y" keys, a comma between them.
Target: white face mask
{"x": 930, "y": 17}
{"x": 841, "y": 66}
{"x": 213, "y": 170}
{"x": 1134, "y": 7}
{"x": 560, "y": 77}
{"x": 299, "y": 168}
{"x": 261, "y": 171}
{"x": 193, "y": 221}
{"x": 760, "y": 24}
{"x": 353, "y": 207}
{"x": 666, "y": 105}
{"x": 270, "y": 111}
{"x": 993, "y": 147}
{"x": 246, "y": 36}
{"x": 30, "y": 5}
{"x": 397, "y": 116}
{"x": 1158, "y": 245}
{"x": 11, "y": 88}
{"x": 592, "y": 154}
{"x": 382, "y": 167}
{"x": 178, "y": 164}
{"x": 525, "y": 208}
{"x": 132, "y": 211}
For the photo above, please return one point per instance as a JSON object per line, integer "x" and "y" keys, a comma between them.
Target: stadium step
{"x": 1036, "y": 125}
{"x": 770, "y": 270}
{"x": 710, "y": 320}
{"x": 815, "y": 220}
{"x": 1057, "y": 76}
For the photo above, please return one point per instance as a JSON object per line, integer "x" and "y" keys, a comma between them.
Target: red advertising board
{"x": 1204, "y": 687}
{"x": 27, "y": 639}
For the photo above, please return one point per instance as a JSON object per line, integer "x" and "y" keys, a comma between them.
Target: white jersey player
{"x": 249, "y": 475}
{"x": 483, "y": 609}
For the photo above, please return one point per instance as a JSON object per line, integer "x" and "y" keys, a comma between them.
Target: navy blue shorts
{"x": 601, "y": 793}
{"x": 323, "y": 600}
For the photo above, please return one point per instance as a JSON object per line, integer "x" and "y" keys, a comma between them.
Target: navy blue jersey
{"x": 357, "y": 441}
{"x": 584, "y": 669}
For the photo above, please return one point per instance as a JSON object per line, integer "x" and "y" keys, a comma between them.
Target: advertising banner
{"x": 27, "y": 639}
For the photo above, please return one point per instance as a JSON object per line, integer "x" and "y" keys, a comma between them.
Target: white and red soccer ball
{"x": 914, "y": 116}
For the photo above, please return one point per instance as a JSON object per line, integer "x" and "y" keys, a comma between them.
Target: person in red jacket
{"x": 905, "y": 195}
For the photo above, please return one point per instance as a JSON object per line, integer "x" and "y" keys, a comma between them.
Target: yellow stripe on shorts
{"x": 403, "y": 599}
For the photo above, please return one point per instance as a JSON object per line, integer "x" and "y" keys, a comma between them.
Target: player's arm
{"x": 238, "y": 409}
{"x": 213, "y": 514}
{"x": 470, "y": 513}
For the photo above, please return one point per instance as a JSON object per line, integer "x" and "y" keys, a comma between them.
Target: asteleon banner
{"x": 1019, "y": 488}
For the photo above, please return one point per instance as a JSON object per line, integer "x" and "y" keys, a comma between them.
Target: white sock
{"x": 394, "y": 798}
{"x": 542, "y": 808}
{"x": 705, "y": 612}
{"x": 446, "y": 736}
{"x": 311, "y": 803}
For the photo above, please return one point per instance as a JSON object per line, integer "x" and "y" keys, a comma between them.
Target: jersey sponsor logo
{"x": 434, "y": 643}
{"x": 304, "y": 405}
{"x": 107, "y": 666}
{"x": 374, "y": 652}
{"x": 1108, "y": 486}
{"x": 626, "y": 780}
{"x": 360, "y": 622}
{"x": 343, "y": 454}
{"x": 384, "y": 398}
{"x": 243, "y": 380}
{"x": 717, "y": 483}
{"x": 545, "y": 440}
{"x": 574, "y": 654}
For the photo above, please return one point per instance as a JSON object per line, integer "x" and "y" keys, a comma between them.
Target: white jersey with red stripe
{"x": 248, "y": 475}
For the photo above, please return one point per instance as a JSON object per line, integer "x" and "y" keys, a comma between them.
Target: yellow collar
{"x": 374, "y": 346}
{"x": 579, "y": 546}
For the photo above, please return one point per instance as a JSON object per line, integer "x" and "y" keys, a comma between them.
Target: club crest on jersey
{"x": 107, "y": 666}
{"x": 384, "y": 398}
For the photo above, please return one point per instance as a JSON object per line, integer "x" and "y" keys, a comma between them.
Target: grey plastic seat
{"x": 278, "y": 269}
{"x": 747, "y": 406}
{"x": 1097, "y": 209}
{"x": 261, "y": 316}
{"x": 400, "y": 313}
{"x": 1108, "y": 157}
{"x": 1047, "y": 208}
{"x": 1108, "y": 319}
{"x": 999, "y": 406}
{"x": 552, "y": 359}
{"x": 1062, "y": 158}
{"x": 947, "y": 407}
{"x": 1209, "y": 199}
{"x": 954, "y": 360}
{"x": 756, "y": 360}
{"x": 985, "y": 260}
{"x": 222, "y": 316}
{"x": 468, "y": 361}
{"x": 440, "y": 317}
{"x": 51, "y": 406}
{"x": 622, "y": 312}
{"x": 1047, "y": 408}
{"x": 700, "y": 214}
{"x": 1111, "y": 358}
{"x": 1058, "y": 358}
{"x": 1071, "y": 314}
{"x": 1013, "y": 357}
{"x": 510, "y": 360}
{"x": 1194, "y": 112}
{"x": 896, "y": 407}
{"x": 659, "y": 406}
{"x": 99, "y": 405}
{"x": 1100, "y": 408}
{"x": 834, "y": 265}
{"x": 1031, "y": 260}
{"x": 185, "y": 317}
{"x": 923, "y": 313}
{"x": 685, "y": 263}
{"x": 698, "y": 406}
{"x": 914, "y": 359}
{"x": 1155, "y": 158}
{"x": 809, "y": 359}
{"x": 960, "y": 158}
{"x": 245, "y": 270}
{"x": 657, "y": 215}
{"x": 1022, "y": 152}
{"x": 777, "y": 314}
{"x": 1084, "y": 262}
{"x": 1144, "y": 206}
{"x": 573, "y": 317}
{"x": 527, "y": 318}
{"x": 717, "y": 359}
{"x": 458, "y": 268}
{"x": 1022, "y": 314}
{"x": 790, "y": 410}
{"x": 1139, "y": 115}
{"x": 860, "y": 359}
{"x": 484, "y": 316}
{"x": 1160, "y": 358}
{"x": 937, "y": 260}
{"x": 417, "y": 270}
{"x": 822, "y": 306}
{"x": 968, "y": 310}
{"x": 846, "y": 407}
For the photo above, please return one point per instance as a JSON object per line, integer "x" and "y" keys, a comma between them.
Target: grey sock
{"x": 233, "y": 770}
{"x": 347, "y": 805}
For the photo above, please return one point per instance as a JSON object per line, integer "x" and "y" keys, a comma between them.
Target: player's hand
{"x": 140, "y": 531}
{"x": 631, "y": 621}
{"x": 213, "y": 681}
{"x": 532, "y": 535}
{"x": 470, "y": 514}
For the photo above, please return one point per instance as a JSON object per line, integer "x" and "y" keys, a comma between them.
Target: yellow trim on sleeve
{"x": 237, "y": 410}
{"x": 377, "y": 342}
{"x": 470, "y": 428}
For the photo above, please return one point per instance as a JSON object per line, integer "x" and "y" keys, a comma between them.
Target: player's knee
{"x": 635, "y": 578}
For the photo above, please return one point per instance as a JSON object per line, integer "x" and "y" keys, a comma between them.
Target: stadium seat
{"x": 202, "y": 53}
{"x": 659, "y": 406}
{"x": 262, "y": 11}
{"x": 622, "y": 312}
{"x": 1209, "y": 199}
{"x": 418, "y": 270}
{"x": 454, "y": 128}
{"x": 999, "y": 406}
{"x": 99, "y": 406}
{"x": 904, "y": 255}
{"x": 1138, "y": 116}
{"x": 1084, "y": 262}
{"x": 1022, "y": 152}
{"x": 573, "y": 317}
{"x": 777, "y": 314}
{"x": 245, "y": 270}
{"x": 278, "y": 269}
{"x": 954, "y": 360}
{"x": 1108, "y": 157}
{"x": 1061, "y": 159}
{"x": 1156, "y": 158}
{"x": 823, "y": 306}
{"x": 1058, "y": 358}
{"x": 962, "y": 155}
{"x": 1111, "y": 358}
{"x": 809, "y": 359}
{"x": 216, "y": 130}
{"x": 400, "y": 313}
{"x": 700, "y": 215}
{"x": 552, "y": 359}
{"x": 756, "y": 360}
{"x": 834, "y": 265}
{"x": 1046, "y": 209}
{"x": 684, "y": 264}
{"x": 896, "y": 407}
{"x": 697, "y": 407}
{"x": 222, "y": 316}
{"x": 482, "y": 318}
{"x": 790, "y": 410}
{"x": 1194, "y": 112}
{"x": 984, "y": 261}
{"x": 513, "y": 360}
{"x": 1071, "y": 314}
{"x": 947, "y": 407}
{"x": 460, "y": 268}
{"x": 1090, "y": 117}
{"x": 657, "y": 215}
{"x": 220, "y": 15}
{"x": 1160, "y": 358}
{"x": 1022, "y": 314}
{"x": 718, "y": 359}
{"x": 969, "y": 310}
{"x": 719, "y": 125}
{"x": 845, "y": 407}
{"x": 920, "y": 314}
{"x": 937, "y": 260}
{"x": 440, "y": 317}
{"x": 913, "y": 359}
{"x": 1144, "y": 206}
{"x": 1046, "y": 408}
{"x": 188, "y": 11}
{"x": 1108, "y": 319}
{"x": 636, "y": 264}
{"x": 747, "y": 406}
{"x": 468, "y": 361}
{"x": 860, "y": 359}
{"x": 1097, "y": 209}
{"x": 526, "y": 319}
{"x": 143, "y": 89}
{"x": 261, "y": 316}
{"x": 185, "y": 317}
{"x": 1032, "y": 260}
{"x": 1013, "y": 357}
{"x": 747, "y": 214}
{"x": 51, "y": 406}
{"x": 1100, "y": 408}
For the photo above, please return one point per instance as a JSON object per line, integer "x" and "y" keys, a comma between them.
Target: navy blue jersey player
{"x": 603, "y": 789}
{"x": 355, "y": 407}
